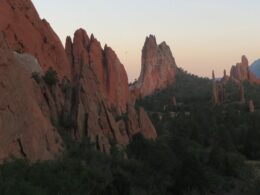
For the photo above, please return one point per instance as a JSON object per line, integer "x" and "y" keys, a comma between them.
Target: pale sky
{"x": 203, "y": 34}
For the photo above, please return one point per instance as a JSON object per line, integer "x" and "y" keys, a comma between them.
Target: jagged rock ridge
{"x": 103, "y": 96}
{"x": 89, "y": 98}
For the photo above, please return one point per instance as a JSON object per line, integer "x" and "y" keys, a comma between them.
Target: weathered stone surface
{"x": 158, "y": 68}
{"x": 117, "y": 81}
{"x": 26, "y": 33}
{"x": 25, "y": 130}
{"x": 102, "y": 101}
{"x": 29, "y": 62}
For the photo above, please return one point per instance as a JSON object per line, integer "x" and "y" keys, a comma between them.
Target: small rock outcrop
{"x": 158, "y": 69}
{"x": 241, "y": 72}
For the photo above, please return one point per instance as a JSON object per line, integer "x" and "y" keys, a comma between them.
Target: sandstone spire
{"x": 158, "y": 68}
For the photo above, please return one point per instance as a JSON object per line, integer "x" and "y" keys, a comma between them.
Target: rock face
{"x": 102, "y": 108}
{"x": 158, "y": 68}
{"x": 25, "y": 32}
{"x": 25, "y": 130}
{"x": 90, "y": 96}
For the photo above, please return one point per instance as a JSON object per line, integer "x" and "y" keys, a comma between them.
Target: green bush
{"x": 51, "y": 77}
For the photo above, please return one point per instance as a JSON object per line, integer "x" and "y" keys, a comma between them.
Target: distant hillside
{"x": 255, "y": 68}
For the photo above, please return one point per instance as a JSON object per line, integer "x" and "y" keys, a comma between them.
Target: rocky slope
{"x": 90, "y": 96}
{"x": 158, "y": 69}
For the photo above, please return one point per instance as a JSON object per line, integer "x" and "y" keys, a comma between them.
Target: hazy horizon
{"x": 203, "y": 35}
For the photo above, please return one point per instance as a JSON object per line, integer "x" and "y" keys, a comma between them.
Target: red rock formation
{"x": 241, "y": 72}
{"x": 111, "y": 78}
{"x": 238, "y": 74}
{"x": 91, "y": 97}
{"x": 102, "y": 108}
{"x": 158, "y": 68}
{"x": 24, "y": 128}
{"x": 27, "y": 33}
{"x": 116, "y": 80}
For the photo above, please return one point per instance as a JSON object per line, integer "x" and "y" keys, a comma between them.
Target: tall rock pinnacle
{"x": 158, "y": 68}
